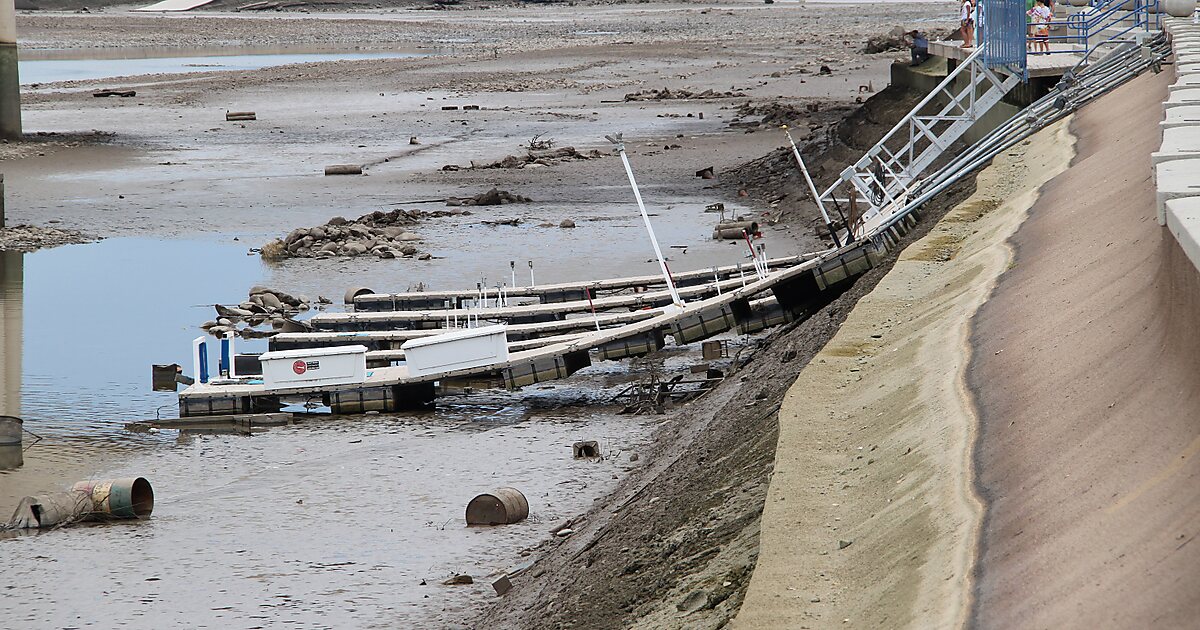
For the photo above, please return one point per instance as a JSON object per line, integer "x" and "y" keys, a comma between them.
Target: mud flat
{"x": 871, "y": 518}
{"x": 1087, "y": 372}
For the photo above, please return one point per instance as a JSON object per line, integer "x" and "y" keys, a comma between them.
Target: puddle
{"x": 48, "y": 70}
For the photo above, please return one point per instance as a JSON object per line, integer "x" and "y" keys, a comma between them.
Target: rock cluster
{"x": 382, "y": 236}
{"x": 667, "y": 94}
{"x": 263, "y": 306}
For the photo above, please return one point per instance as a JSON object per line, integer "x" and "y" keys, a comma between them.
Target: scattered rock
{"x": 842, "y": 544}
{"x": 566, "y": 223}
{"x": 462, "y": 578}
{"x": 493, "y": 197}
{"x": 667, "y": 94}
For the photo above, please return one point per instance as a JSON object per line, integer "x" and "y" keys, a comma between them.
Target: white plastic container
{"x": 314, "y": 367}
{"x": 460, "y": 349}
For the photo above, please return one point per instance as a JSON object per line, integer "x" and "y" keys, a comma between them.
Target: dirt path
{"x": 1087, "y": 365}
{"x": 871, "y": 517}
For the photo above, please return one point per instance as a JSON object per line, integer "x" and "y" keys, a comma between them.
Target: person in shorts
{"x": 1041, "y": 16}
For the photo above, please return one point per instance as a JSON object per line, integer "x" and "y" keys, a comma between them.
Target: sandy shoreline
{"x": 871, "y": 516}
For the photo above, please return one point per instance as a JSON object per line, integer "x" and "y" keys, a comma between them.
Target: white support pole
{"x": 812, "y": 188}
{"x": 10, "y": 89}
{"x": 637, "y": 194}
{"x": 232, "y": 355}
{"x": 531, "y": 284}
{"x": 196, "y": 343}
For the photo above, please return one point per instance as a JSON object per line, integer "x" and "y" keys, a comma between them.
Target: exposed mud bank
{"x": 676, "y": 543}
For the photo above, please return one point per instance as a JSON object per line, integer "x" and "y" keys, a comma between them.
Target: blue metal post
{"x": 203, "y": 350}
{"x": 223, "y": 364}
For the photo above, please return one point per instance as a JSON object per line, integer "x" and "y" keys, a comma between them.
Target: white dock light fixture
{"x": 637, "y": 194}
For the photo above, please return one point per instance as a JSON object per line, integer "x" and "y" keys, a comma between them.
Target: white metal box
{"x": 467, "y": 348}
{"x": 314, "y": 367}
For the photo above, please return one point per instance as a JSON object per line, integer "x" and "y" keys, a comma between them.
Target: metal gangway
{"x": 877, "y": 187}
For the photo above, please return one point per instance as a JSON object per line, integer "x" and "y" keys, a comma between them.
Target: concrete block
{"x": 1184, "y": 82}
{"x": 1178, "y": 143}
{"x": 1183, "y": 220}
{"x": 1175, "y": 179}
{"x": 1185, "y": 116}
{"x": 1183, "y": 97}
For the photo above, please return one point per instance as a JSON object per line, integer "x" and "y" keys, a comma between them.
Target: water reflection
{"x": 12, "y": 274}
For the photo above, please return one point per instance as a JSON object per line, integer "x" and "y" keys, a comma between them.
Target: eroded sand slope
{"x": 1087, "y": 368}
{"x": 876, "y": 434}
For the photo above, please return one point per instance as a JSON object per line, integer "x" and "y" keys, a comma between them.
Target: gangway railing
{"x": 1101, "y": 25}
{"x": 1072, "y": 92}
{"x": 882, "y": 176}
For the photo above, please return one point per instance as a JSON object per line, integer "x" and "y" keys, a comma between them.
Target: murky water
{"x": 333, "y": 522}
{"x": 35, "y": 70}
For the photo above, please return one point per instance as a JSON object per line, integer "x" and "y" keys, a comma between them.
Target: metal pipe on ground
{"x": 501, "y": 507}
{"x": 734, "y": 231}
{"x": 131, "y": 497}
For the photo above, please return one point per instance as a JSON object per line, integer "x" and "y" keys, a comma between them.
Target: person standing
{"x": 1041, "y": 16}
{"x": 966, "y": 17}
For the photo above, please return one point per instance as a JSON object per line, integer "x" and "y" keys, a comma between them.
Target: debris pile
{"x": 263, "y": 306}
{"x": 493, "y": 197}
{"x": 666, "y": 94}
{"x": 896, "y": 39}
{"x": 28, "y": 238}
{"x": 548, "y": 157}
{"x": 380, "y": 218}
{"x": 771, "y": 114}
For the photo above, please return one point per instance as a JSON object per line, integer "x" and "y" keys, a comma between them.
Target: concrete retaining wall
{"x": 1177, "y": 163}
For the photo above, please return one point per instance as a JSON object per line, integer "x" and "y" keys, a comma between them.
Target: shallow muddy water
{"x": 44, "y": 67}
{"x": 333, "y": 522}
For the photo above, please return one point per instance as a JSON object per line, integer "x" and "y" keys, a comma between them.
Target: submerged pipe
{"x": 130, "y": 497}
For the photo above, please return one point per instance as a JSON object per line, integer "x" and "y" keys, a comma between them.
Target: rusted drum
{"x": 501, "y": 507}
{"x": 131, "y": 497}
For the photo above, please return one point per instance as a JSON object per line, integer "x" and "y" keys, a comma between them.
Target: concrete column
{"x": 12, "y": 312}
{"x": 10, "y": 83}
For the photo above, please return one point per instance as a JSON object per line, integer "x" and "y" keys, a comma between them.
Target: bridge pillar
{"x": 10, "y": 83}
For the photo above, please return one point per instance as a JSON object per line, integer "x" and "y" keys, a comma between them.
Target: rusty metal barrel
{"x": 130, "y": 497}
{"x": 500, "y": 507}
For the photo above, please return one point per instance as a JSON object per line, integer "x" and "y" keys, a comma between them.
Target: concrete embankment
{"x": 871, "y": 517}
{"x": 1087, "y": 372}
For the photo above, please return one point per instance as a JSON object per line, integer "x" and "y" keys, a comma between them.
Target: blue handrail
{"x": 1101, "y": 15}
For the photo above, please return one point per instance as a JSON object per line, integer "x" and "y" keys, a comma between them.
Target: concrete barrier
{"x": 1177, "y": 162}
{"x": 1183, "y": 220}
{"x": 1180, "y": 142}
